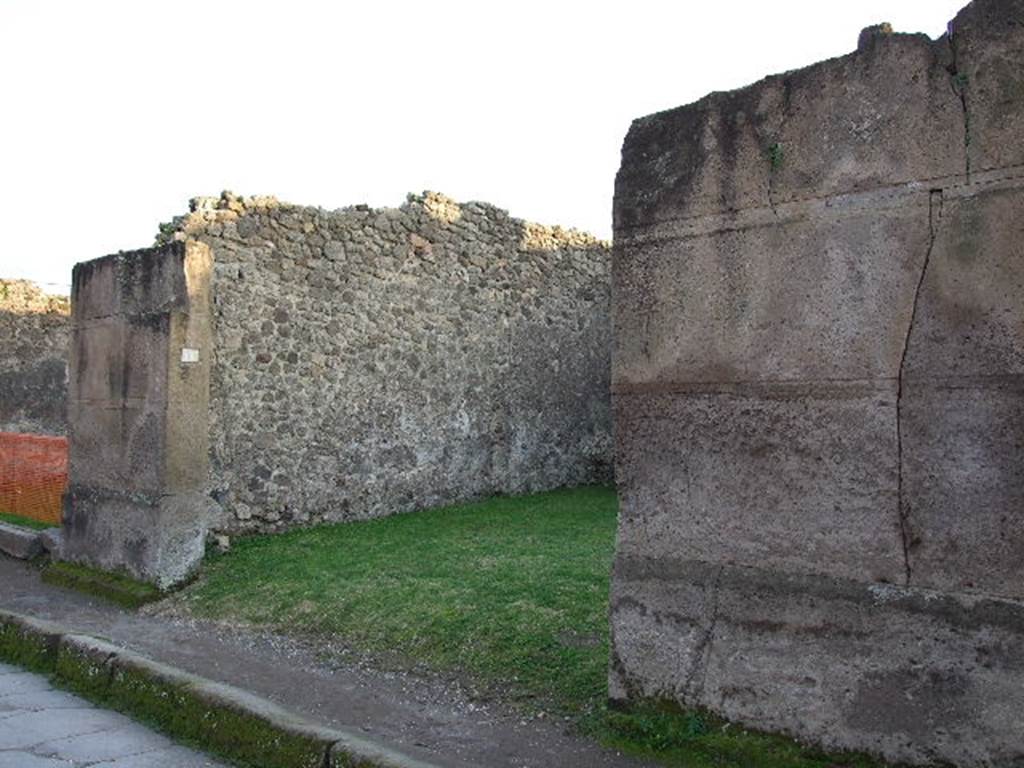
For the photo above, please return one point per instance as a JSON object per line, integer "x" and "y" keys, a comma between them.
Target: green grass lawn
{"x": 511, "y": 594}
{"x": 24, "y": 522}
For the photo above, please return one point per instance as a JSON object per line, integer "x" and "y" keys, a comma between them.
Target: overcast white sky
{"x": 114, "y": 114}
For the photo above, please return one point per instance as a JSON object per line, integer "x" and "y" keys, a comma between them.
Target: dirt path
{"x": 432, "y": 719}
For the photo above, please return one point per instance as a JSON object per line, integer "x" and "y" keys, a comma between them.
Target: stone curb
{"x": 19, "y": 542}
{"x": 222, "y": 719}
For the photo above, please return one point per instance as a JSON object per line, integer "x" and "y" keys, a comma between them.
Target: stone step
{"x": 19, "y": 542}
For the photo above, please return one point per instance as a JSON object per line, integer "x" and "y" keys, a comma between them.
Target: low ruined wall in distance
{"x": 373, "y": 361}
{"x": 819, "y": 399}
{"x": 34, "y": 339}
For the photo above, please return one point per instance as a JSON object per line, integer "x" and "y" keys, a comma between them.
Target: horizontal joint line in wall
{"x": 766, "y": 216}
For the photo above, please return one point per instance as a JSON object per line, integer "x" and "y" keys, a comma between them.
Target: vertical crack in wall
{"x": 935, "y": 202}
{"x": 771, "y": 194}
{"x": 702, "y": 651}
{"x": 776, "y": 157}
{"x": 712, "y": 629}
{"x": 958, "y": 84}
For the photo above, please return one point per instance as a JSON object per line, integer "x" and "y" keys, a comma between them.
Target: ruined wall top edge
{"x": 901, "y": 109}
{"x": 228, "y": 206}
{"x": 27, "y": 298}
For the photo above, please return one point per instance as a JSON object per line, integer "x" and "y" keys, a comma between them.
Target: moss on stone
{"x": 85, "y": 673}
{"x": 180, "y": 711}
{"x": 184, "y": 713}
{"x": 36, "y": 651}
{"x": 190, "y": 710}
{"x": 115, "y": 587}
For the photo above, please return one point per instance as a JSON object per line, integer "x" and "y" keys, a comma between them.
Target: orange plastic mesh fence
{"x": 33, "y": 475}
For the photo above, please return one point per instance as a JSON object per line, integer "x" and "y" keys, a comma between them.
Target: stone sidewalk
{"x": 41, "y": 727}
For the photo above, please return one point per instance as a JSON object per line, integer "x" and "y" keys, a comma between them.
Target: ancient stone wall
{"x": 138, "y": 413}
{"x": 34, "y": 333}
{"x": 819, "y": 400}
{"x": 369, "y": 361}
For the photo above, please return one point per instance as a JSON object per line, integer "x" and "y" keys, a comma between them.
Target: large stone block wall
{"x": 34, "y": 339}
{"x": 138, "y": 413}
{"x": 373, "y": 361}
{"x": 818, "y": 302}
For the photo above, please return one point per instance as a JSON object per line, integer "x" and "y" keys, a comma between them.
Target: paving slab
{"x": 18, "y": 759}
{"x": 48, "y": 727}
{"x": 127, "y": 740}
{"x": 178, "y": 757}
{"x": 48, "y": 699}
{"x": 16, "y": 682}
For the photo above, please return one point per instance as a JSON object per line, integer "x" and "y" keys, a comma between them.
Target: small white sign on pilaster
{"x": 189, "y": 355}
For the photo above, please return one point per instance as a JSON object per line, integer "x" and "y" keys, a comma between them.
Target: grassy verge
{"x": 511, "y": 593}
{"x": 25, "y": 522}
{"x": 699, "y": 740}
